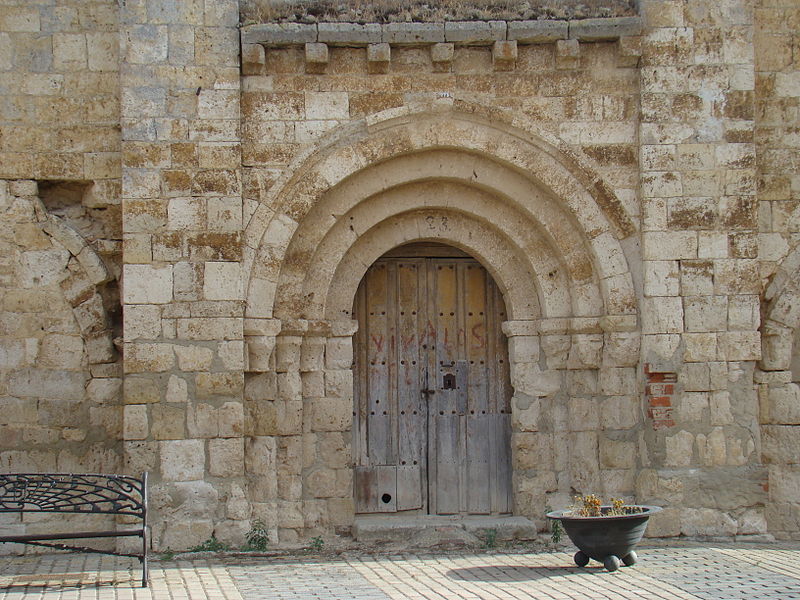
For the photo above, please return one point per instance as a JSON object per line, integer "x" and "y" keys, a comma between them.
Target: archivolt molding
{"x": 502, "y": 257}
{"x": 531, "y": 195}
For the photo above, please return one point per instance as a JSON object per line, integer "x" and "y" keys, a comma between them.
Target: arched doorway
{"x": 543, "y": 224}
{"x": 432, "y": 418}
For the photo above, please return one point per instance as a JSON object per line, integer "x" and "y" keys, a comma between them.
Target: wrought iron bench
{"x": 68, "y": 493}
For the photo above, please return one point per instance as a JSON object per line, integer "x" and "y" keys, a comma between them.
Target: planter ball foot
{"x": 611, "y": 563}
{"x": 581, "y": 559}
{"x": 630, "y": 560}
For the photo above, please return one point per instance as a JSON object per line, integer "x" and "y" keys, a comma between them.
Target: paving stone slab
{"x": 664, "y": 572}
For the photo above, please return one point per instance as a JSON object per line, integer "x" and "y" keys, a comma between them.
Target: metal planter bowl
{"x": 606, "y": 539}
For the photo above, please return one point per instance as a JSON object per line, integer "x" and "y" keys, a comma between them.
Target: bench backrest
{"x": 70, "y": 493}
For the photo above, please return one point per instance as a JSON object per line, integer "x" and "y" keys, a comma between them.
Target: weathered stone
{"x": 202, "y": 420}
{"x": 412, "y": 33}
{"x": 104, "y": 390}
{"x": 346, "y": 34}
{"x": 666, "y": 523}
{"x": 66, "y": 385}
{"x": 253, "y": 59}
{"x": 142, "y": 321}
{"x": 279, "y": 33}
{"x": 680, "y": 449}
{"x": 585, "y": 351}
{"x": 711, "y": 448}
{"x": 145, "y": 357}
{"x": 504, "y": 55}
{"x": 332, "y": 414}
{"x": 177, "y": 389}
{"x": 231, "y": 419}
{"x": 779, "y": 444}
{"x": 193, "y": 358}
{"x": 595, "y": 30}
{"x": 620, "y": 412}
{"x": 316, "y": 57}
{"x": 167, "y": 422}
{"x": 226, "y": 457}
{"x": 135, "y": 422}
{"x": 182, "y": 460}
{"x": 785, "y": 483}
{"x": 186, "y": 534}
{"x": 583, "y": 414}
{"x": 442, "y": 54}
{"x": 147, "y": 284}
{"x": 584, "y": 460}
{"x": 706, "y": 521}
{"x": 474, "y": 32}
{"x": 537, "y": 32}
{"x": 568, "y": 54}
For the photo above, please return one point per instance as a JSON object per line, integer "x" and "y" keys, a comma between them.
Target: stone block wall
{"x": 182, "y": 285}
{"x": 59, "y": 101}
{"x": 60, "y": 378}
{"x": 777, "y": 121}
{"x": 700, "y": 311}
{"x": 60, "y": 240}
{"x": 205, "y": 169}
{"x": 590, "y": 103}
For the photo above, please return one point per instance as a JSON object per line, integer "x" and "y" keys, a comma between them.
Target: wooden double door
{"x": 432, "y": 419}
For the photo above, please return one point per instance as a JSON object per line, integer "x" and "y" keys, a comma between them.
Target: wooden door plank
{"x": 391, "y": 404}
{"x": 386, "y": 493}
{"x": 446, "y": 327}
{"x": 448, "y": 464}
{"x": 366, "y": 485}
{"x": 502, "y": 374}
{"x": 411, "y": 415}
{"x": 428, "y": 349}
{"x": 479, "y": 482}
{"x": 360, "y": 402}
{"x": 426, "y": 250}
{"x": 476, "y": 327}
{"x": 379, "y": 432}
{"x": 409, "y": 487}
{"x": 449, "y": 431}
{"x": 500, "y": 458}
{"x": 500, "y": 382}
{"x": 462, "y": 387}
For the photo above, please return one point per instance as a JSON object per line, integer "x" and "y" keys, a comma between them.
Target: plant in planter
{"x": 605, "y": 533}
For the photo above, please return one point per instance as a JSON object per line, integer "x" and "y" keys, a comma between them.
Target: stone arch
{"x": 499, "y": 254}
{"x": 81, "y": 290}
{"x": 782, "y": 314}
{"x": 65, "y": 381}
{"x": 780, "y": 397}
{"x": 524, "y": 169}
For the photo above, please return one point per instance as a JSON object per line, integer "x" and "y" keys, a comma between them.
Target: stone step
{"x": 426, "y": 530}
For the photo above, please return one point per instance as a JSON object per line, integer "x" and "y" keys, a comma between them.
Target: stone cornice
{"x": 456, "y": 32}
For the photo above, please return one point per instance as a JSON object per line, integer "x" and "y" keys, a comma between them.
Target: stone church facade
{"x": 191, "y": 206}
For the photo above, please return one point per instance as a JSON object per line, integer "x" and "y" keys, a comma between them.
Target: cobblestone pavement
{"x": 671, "y": 572}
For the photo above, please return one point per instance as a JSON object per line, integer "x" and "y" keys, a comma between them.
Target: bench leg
{"x": 145, "y": 566}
